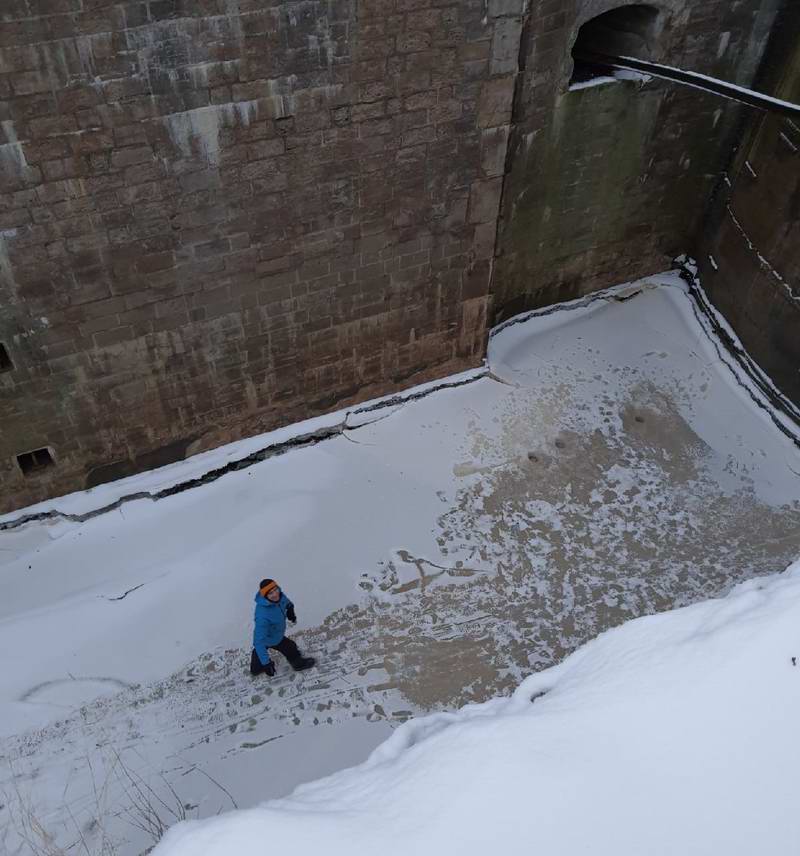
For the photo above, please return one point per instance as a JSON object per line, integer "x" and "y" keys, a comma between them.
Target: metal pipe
{"x": 690, "y": 78}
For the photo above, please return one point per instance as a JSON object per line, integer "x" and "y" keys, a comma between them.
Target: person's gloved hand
{"x": 290, "y": 614}
{"x": 270, "y": 669}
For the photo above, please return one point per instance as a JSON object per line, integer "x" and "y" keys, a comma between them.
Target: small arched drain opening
{"x": 625, "y": 31}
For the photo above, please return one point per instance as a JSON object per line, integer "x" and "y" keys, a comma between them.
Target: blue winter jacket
{"x": 270, "y": 624}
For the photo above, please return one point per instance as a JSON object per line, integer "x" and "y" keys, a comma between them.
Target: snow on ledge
{"x": 196, "y": 466}
{"x": 615, "y": 76}
{"x": 674, "y": 733}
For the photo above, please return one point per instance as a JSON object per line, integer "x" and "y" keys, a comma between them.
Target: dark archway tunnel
{"x": 624, "y": 31}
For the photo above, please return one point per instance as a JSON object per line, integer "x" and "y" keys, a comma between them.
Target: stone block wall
{"x": 749, "y": 253}
{"x": 218, "y": 216}
{"x": 608, "y": 183}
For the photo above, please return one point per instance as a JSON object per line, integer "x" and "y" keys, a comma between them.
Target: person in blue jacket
{"x": 272, "y": 610}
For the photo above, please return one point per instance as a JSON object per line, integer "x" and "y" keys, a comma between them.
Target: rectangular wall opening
{"x": 38, "y": 459}
{"x": 6, "y": 363}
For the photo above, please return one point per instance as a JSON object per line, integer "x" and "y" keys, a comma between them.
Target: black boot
{"x": 258, "y": 668}
{"x": 288, "y": 647}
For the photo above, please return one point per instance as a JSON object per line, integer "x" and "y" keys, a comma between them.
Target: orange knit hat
{"x": 267, "y": 586}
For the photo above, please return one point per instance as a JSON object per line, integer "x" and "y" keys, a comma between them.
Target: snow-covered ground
{"x": 609, "y": 464}
{"x": 673, "y": 734}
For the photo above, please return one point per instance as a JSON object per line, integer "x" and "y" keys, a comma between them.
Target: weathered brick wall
{"x": 750, "y": 249}
{"x": 609, "y": 183}
{"x": 217, "y": 216}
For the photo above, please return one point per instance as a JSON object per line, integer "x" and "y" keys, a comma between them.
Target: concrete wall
{"x": 750, "y": 249}
{"x": 217, "y": 216}
{"x": 609, "y": 183}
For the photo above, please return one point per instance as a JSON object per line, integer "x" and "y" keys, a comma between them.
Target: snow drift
{"x": 674, "y": 733}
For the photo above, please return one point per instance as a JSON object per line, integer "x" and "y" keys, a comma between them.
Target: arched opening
{"x": 624, "y": 31}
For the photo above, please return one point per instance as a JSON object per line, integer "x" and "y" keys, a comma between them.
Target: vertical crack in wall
{"x": 514, "y": 142}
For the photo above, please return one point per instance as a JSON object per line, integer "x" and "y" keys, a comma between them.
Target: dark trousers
{"x": 287, "y": 647}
